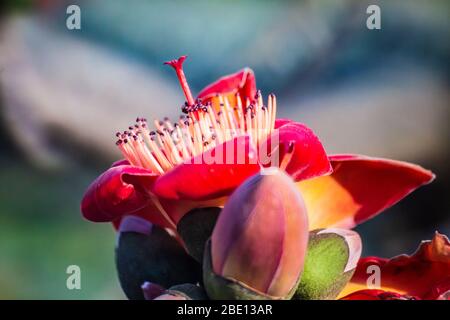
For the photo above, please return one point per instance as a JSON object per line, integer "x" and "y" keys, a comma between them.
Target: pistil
{"x": 177, "y": 64}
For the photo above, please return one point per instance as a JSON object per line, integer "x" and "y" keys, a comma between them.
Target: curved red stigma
{"x": 177, "y": 64}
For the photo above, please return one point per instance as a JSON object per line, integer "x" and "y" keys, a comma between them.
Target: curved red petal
{"x": 242, "y": 82}
{"x": 374, "y": 294}
{"x": 120, "y": 190}
{"x": 359, "y": 188}
{"x": 150, "y": 213}
{"x": 368, "y": 294}
{"x": 425, "y": 274}
{"x": 212, "y": 174}
{"x": 300, "y": 151}
{"x": 120, "y": 163}
{"x": 281, "y": 122}
{"x": 175, "y": 210}
{"x": 439, "y": 292}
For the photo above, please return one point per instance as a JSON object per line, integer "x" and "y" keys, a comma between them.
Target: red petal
{"x": 425, "y": 274}
{"x": 281, "y": 122}
{"x": 301, "y": 150}
{"x": 120, "y": 190}
{"x": 363, "y": 295}
{"x": 199, "y": 179}
{"x": 120, "y": 163}
{"x": 372, "y": 294}
{"x": 439, "y": 292}
{"x": 242, "y": 82}
{"x": 358, "y": 189}
{"x": 150, "y": 213}
{"x": 175, "y": 210}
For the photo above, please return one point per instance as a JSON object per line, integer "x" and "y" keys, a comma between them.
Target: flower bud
{"x": 330, "y": 262}
{"x": 258, "y": 244}
{"x": 151, "y": 290}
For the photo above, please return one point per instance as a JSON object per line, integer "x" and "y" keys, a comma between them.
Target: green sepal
{"x": 196, "y": 227}
{"x": 189, "y": 291}
{"x": 324, "y": 275}
{"x": 155, "y": 257}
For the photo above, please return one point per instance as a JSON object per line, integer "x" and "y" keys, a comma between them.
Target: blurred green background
{"x": 64, "y": 93}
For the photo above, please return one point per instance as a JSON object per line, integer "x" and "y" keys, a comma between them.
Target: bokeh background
{"x": 64, "y": 93}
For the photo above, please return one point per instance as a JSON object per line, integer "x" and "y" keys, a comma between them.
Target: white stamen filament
{"x": 202, "y": 129}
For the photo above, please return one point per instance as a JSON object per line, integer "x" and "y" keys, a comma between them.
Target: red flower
{"x": 422, "y": 275}
{"x": 161, "y": 178}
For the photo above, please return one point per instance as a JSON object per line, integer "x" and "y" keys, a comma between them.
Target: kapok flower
{"x": 161, "y": 178}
